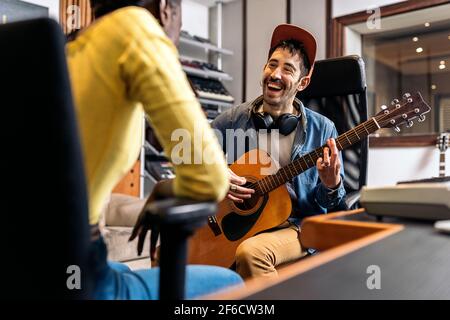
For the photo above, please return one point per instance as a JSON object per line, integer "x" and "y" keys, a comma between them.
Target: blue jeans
{"x": 116, "y": 281}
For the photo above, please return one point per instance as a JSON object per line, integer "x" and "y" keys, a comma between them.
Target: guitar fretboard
{"x": 309, "y": 160}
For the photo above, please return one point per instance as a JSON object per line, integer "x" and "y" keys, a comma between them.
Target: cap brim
{"x": 289, "y": 31}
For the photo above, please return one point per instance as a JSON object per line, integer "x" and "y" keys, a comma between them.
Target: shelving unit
{"x": 201, "y": 53}
{"x": 207, "y": 73}
{"x": 216, "y": 94}
{"x": 206, "y": 46}
{"x": 222, "y": 104}
{"x": 211, "y": 3}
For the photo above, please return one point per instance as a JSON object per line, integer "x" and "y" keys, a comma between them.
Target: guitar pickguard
{"x": 236, "y": 226}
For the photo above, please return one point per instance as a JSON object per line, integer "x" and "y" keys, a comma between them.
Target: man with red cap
{"x": 280, "y": 124}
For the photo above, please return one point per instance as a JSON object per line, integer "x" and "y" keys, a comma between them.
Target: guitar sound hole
{"x": 248, "y": 203}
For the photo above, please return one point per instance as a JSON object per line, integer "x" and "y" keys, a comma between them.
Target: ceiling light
{"x": 442, "y": 66}
{"x": 419, "y": 50}
{"x": 433, "y": 87}
{"x": 415, "y": 39}
{"x": 427, "y": 24}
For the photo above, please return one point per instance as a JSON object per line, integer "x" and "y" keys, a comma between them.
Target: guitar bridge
{"x": 212, "y": 223}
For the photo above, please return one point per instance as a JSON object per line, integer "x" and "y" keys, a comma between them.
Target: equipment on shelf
{"x": 186, "y": 35}
{"x": 211, "y": 89}
{"x": 200, "y": 65}
{"x": 427, "y": 180}
{"x": 200, "y": 39}
{"x": 425, "y": 201}
{"x": 156, "y": 163}
{"x": 443, "y": 226}
{"x": 211, "y": 110}
{"x": 159, "y": 170}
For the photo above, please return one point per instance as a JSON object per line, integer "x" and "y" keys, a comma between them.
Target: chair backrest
{"x": 44, "y": 221}
{"x": 338, "y": 91}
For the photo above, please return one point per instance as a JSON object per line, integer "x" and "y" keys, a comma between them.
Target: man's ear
{"x": 303, "y": 83}
{"x": 164, "y": 12}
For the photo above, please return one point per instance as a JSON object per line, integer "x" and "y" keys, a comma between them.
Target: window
{"x": 411, "y": 59}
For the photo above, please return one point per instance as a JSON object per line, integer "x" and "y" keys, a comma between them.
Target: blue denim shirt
{"x": 311, "y": 196}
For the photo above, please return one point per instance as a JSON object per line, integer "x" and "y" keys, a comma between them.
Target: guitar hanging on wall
{"x": 442, "y": 144}
{"x": 270, "y": 205}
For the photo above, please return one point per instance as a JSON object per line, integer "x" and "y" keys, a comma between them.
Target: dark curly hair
{"x": 102, "y": 7}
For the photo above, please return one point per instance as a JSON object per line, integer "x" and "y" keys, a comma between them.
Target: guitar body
{"x": 216, "y": 242}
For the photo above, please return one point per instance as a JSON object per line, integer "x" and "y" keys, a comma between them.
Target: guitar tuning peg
{"x": 409, "y": 124}
{"x": 422, "y": 118}
{"x": 406, "y": 96}
{"x": 383, "y": 107}
{"x": 397, "y": 129}
{"x": 395, "y": 101}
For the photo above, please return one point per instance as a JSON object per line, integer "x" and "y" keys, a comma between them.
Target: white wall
{"x": 387, "y": 166}
{"x": 53, "y": 6}
{"x": 262, "y": 17}
{"x": 233, "y": 26}
{"x": 311, "y": 15}
{"x": 353, "y": 42}
{"x": 345, "y": 7}
{"x": 195, "y": 18}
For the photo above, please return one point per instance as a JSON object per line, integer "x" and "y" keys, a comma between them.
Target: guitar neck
{"x": 309, "y": 160}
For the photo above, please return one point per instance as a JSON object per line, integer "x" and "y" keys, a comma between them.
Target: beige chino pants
{"x": 262, "y": 253}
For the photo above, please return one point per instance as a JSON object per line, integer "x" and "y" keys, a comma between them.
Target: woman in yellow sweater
{"x": 121, "y": 65}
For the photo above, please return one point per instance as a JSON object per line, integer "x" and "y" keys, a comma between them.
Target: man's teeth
{"x": 274, "y": 86}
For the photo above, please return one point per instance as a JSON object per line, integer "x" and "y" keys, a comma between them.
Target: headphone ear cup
{"x": 287, "y": 123}
{"x": 262, "y": 121}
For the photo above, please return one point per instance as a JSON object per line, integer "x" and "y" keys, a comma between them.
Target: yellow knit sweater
{"x": 119, "y": 66}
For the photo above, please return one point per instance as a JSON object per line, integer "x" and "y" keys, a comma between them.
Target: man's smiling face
{"x": 281, "y": 78}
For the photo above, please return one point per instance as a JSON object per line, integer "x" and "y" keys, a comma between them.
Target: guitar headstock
{"x": 403, "y": 111}
{"x": 442, "y": 142}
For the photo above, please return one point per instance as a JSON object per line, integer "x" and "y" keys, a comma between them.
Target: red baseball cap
{"x": 290, "y": 31}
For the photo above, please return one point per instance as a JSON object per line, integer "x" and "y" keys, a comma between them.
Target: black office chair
{"x": 176, "y": 220}
{"x": 338, "y": 91}
{"x": 44, "y": 205}
{"x": 44, "y": 201}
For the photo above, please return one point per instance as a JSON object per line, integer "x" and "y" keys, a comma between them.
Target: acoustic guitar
{"x": 270, "y": 205}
